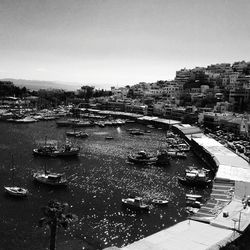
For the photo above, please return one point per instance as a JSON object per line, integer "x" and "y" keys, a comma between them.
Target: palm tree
{"x": 55, "y": 215}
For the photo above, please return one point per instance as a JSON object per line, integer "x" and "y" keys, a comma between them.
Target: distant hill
{"x": 36, "y": 85}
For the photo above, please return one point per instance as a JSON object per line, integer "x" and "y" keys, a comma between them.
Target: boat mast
{"x": 12, "y": 170}
{"x": 45, "y": 169}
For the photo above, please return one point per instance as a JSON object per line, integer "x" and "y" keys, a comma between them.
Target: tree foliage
{"x": 56, "y": 216}
{"x": 7, "y": 88}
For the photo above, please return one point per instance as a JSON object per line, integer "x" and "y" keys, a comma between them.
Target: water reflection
{"x": 98, "y": 179}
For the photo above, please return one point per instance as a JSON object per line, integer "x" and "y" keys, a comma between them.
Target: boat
{"x": 109, "y": 138}
{"x": 17, "y": 191}
{"x": 135, "y": 203}
{"x": 142, "y": 157}
{"x": 84, "y": 124}
{"x": 26, "y": 119}
{"x": 82, "y": 134}
{"x": 196, "y": 170}
{"x": 176, "y": 154}
{"x": 51, "y": 179}
{"x": 193, "y": 196}
{"x": 14, "y": 190}
{"x": 159, "y": 202}
{"x": 72, "y": 133}
{"x": 50, "y": 150}
{"x": 136, "y": 132}
{"x": 192, "y": 210}
{"x": 65, "y": 123}
{"x": 191, "y": 203}
{"x": 195, "y": 179}
{"x": 183, "y": 147}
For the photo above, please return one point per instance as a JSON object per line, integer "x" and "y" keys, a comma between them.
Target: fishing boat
{"x": 135, "y": 203}
{"x": 142, "y": 157}
{"x": 195, "y": 179}
{"x": 53, "y": 151}
{"x": 14, "y": 190}
{"x": 51, "y": 179}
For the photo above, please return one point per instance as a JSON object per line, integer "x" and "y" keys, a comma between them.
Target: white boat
{"x": 135, "y": 203}
{"x": 159, "y": 202}
{"x": 176, "y": 154}
{"x": 51, "y": 179}
{"x": 27, "y": 119}
{"x": 193, "y": 196}
{"x": 183, "y": 147}
{"x": 192, "y": 210}
{"x": 16, "y": 191}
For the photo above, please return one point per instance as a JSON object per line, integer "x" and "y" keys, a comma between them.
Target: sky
{"x": 119, "y": 42}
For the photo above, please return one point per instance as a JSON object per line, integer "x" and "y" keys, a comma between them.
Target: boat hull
{"x": 45, "y": 181}
{"x": 135, "y": 207}
{"x": 57, "y": 153}
{"x": 142, "y": 161}
{"x": 16, "y": 191}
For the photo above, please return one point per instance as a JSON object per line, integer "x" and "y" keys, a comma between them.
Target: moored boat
{"x": 159, "y": 202}
{"x": 195, "y": 180}
{"x": 192, "y": 210}
{"x": 142, "y": 157}
{"x": 51, "y": 179}
{"x": 49, "y": 150}
{"x": 109, "y": 138}
{"x": 26, "y": 119}
{"x": 176, "y": 154}
{"x": 72, "y": 133}
{"x": 193, "y": 196}
{"x": 137, "y": 132}
{"x": 82, "y": 134}
{"x": 135, "y": 203}
{"x": 191, "y": 203}
{"x": 16, "y": 191}
{"x": 183, "y": 147}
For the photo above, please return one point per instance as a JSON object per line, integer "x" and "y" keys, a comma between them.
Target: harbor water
{"x": 98, "y": 179}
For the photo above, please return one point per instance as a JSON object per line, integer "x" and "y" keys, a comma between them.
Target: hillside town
{"x": 216, "y": 97}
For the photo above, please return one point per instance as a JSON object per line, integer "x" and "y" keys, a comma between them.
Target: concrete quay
{"x": 209, "y": 228}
